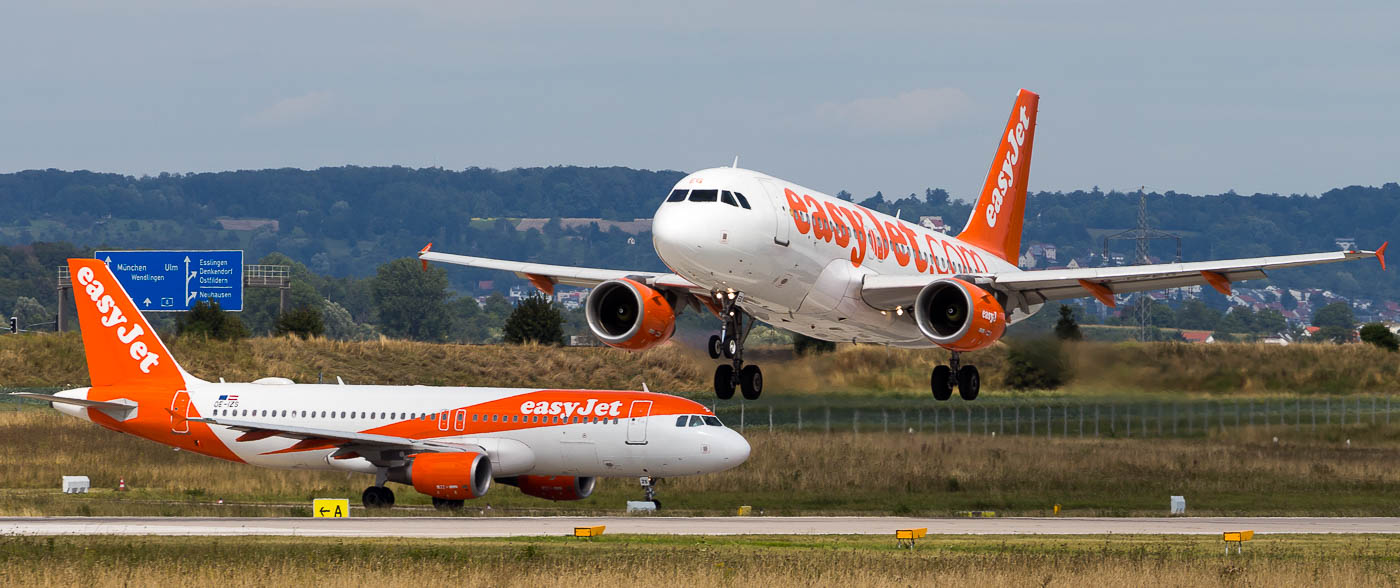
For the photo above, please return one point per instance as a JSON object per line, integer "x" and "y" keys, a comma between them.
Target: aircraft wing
{"x": 368, "y": 445}
{"x": 1035, "y": 287}
{"x": 545, "y": 276}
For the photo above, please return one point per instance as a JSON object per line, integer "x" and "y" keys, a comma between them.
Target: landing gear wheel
{"x": 731, "y": 347}
{"x": 751, "y": 382}
{"x": 377, "y": 497}
{"x": 941, "y": 382}
{"x": 447, "y": 505}
{"x": 724, "y": 381}
{"x": 969, "y": 382}
{"x": 715, "y": 347}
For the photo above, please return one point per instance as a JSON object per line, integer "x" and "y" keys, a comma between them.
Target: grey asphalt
{"x": 660, "y": 525}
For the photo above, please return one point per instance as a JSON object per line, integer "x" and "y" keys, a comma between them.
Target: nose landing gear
{"x": 649, "y": 487}
{"x": 730, "y": 344}
{"x": 942, "y": 380}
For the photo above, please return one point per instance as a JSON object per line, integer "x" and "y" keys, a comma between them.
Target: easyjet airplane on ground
{"x": 448, "y": 443}
{"x": 749, "y": 246}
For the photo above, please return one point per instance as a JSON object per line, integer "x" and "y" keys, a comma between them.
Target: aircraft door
{"x": 637, "y": 422}
{"x": 179, "y": 411}
{"x": 781, "y": 215}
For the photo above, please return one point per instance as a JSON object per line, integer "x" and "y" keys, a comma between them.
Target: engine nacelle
{"x": 627, "y": 314}
{"x": 450, "y": 476}
{"x": 958, "y": 315}
{"x": 554, "y": 487}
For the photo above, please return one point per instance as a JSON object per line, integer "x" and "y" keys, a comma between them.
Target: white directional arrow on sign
{"x": 146, "y": 302}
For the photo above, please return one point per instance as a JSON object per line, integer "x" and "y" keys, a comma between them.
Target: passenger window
{"x": 696, "y": 421}
{"x": 475, "y": 417}
{"x": 704, "y": 195}
{"x": 727, "y": 198}
{"x": 744, "y": 202}
{"x": 713, "y": 421}
{"x": 676, "y": 196}
{"x": 681, "y": 420}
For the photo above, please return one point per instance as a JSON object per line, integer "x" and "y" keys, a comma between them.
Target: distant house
{"x": 1275, "y": 340}
{"x": 934, "y": 223}
{"x": 1198, "y": 336}
{"x": 486, "y": 285}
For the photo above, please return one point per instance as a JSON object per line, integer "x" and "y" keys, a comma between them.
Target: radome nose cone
{"x": 738, "y": 449}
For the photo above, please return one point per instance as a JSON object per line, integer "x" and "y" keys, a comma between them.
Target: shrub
{"x": 535, "y": 320}
{"x": 1379, "y": 335}
{"x": 303, "y": 322}
{"x": 208, "y": 320}
{"x": 1036, "y": 364}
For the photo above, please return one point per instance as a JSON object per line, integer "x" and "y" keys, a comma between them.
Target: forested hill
{"x": 345, "y": 221}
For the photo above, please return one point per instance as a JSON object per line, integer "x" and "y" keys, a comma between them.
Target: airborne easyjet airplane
{"x": 749, "y": 246}
{"x": 448, "y": 443}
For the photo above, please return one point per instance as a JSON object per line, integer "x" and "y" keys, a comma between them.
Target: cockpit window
{"x": 744, "y": 202}
{"x": 728, "y": 198}
{"x": 676, "y": 196}
{"x": 713, "y": 421}
{"x": 704, "y": 195}
{"x": 681, "y": 420}
{"x": 696, "y": 421}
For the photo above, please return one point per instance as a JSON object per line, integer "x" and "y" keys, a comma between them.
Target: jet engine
{"x": 958, "y": 315}
{"x": 449, "y": 476}
{"x": 630, "y": 315}
{"x": 554, "y": 487}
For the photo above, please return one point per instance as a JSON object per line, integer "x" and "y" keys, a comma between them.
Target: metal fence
{"x": 1051, "y": 419}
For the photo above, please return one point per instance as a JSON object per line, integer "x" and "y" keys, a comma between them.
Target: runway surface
{"x": 657, "y": 525}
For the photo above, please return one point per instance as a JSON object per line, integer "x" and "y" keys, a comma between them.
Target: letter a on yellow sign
{"x": 333, "y": 508}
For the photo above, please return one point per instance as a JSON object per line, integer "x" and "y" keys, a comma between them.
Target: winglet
{"x": 1380, "y": 254}
{"x": 425, "y": 250}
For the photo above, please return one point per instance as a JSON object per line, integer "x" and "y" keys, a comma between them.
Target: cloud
{"x": 912, "y": 111}
{"x": 290, "y": 110}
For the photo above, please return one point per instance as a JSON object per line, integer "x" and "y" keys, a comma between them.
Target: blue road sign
{"x": 175, "y": 280}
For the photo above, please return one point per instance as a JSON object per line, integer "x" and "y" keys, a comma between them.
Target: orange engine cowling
{"x": 958, "y": 315}
{"x": 450, "y": 476}
{"x": 554, "y": 487}
{"x": 627, "y": 314}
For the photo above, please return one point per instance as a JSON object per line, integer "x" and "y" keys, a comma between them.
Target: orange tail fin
{"x": 121, "y": 346}
{"x": 995, "y": 224}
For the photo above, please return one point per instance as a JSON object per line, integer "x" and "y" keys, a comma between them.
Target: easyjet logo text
{"x": 112, "y": 317}
{"x": 567, "y": 409}
{"x": 1015, "y": 138}
{"x": 867, "y": 235}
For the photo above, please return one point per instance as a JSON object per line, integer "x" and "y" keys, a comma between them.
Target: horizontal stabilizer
{"x": 119, "y": 409}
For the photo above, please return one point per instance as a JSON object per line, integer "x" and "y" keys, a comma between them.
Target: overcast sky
{"x": 1279, "y": 96}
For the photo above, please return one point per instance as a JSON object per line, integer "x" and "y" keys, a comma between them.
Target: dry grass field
{"x": 1240, "y": 472}
{"x": 1127, "y": 560}
{"x": 853, "y": 370}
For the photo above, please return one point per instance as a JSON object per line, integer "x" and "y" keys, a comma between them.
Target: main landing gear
{"x": 649, "y": 487}
{"x": 377, "y": 497}
{"x": 942, "y": 381}
{"x": 730, "y": 343}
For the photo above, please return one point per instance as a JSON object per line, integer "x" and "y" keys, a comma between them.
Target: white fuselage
{"x": 799, "y": 269}
{"x": 588, "y": 433}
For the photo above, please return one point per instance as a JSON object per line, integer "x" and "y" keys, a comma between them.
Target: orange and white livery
{"x": 448, "y": 442}
{"x": 748, "y": 246}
